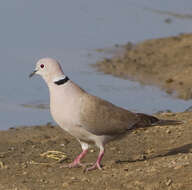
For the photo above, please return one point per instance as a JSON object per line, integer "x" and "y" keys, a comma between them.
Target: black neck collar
{"x": 61, "y": 81}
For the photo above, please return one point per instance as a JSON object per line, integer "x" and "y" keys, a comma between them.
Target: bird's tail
{"x": 149, "y": 120}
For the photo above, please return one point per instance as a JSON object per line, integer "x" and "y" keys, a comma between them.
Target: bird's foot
{"x": 93, "y": 167}
{"x": 74, "y": 164}
{"x": 97, "y": 164}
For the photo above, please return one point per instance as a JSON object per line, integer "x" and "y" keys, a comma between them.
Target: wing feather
{"x": 101, "y": 117}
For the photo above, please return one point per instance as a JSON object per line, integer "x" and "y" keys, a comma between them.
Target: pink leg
{"x": 97, "y": 164}
{"x": 77, "y": 160}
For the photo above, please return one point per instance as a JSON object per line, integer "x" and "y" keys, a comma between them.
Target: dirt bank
{"x": 155, "y": 158}
{"x": 166, "y": 62}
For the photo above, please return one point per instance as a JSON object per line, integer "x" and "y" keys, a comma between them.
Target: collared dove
{"x": 90, "y": 119}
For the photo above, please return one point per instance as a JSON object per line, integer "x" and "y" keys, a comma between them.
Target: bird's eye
{"x": 42, "y": 66}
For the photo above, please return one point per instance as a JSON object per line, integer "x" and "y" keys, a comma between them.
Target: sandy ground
{"x": 155, "y": 158}
{"x": 166, "y": 62}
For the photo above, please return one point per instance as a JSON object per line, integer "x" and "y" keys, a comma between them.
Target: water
{"x": 70, "y": 31}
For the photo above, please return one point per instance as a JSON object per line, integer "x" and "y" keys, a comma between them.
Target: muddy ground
{"x": 166, "y": 62}
{"x": 155, "y": 158}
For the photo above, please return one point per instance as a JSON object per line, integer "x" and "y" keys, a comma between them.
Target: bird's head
{"x": 49, "y": 69}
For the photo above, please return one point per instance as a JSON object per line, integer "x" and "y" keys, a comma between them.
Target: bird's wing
{"x": 103, "y": 118}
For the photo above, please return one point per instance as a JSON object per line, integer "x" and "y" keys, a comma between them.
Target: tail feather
{"x": 149, "y": 120}
{"x": 168, "y": 122}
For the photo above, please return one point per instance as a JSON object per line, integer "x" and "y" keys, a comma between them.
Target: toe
{"x": 93, "y": 167}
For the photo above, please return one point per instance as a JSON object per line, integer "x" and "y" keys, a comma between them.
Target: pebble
{"x": 22, "y": 150}
{"x": 11, "y": 148}
{"x": 85, "y": 179}
{"x": 43, "y": 181}
{"x": 169, "y": 80}
{"x": 172, "y": 141}
{"x": 168, "y": 182}
{"x": 152, "y": 169}
{"x": 178, "y": 167}
{"x": 168, "y": 131}
{"x": 65, "y": 184}
{"x": 24, "y": 165}
{"x": 74, "y": 178}
{"x": 149, "y": 151}
{"x": 24, "y": 173}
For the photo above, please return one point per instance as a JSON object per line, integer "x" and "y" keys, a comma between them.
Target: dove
{"x": 90, "y": 119}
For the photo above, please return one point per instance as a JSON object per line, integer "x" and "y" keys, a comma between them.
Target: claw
{"x": 93, "y": 167}
{"x": 76, "y": 162}
{"x": 97, "y": 163}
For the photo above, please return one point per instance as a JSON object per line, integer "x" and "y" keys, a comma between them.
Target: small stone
{"x": 152, "y": 169}
{"x": 178, "y": 135}
{"x": 180, "y": 83}
{"x": 73, "y": 178}
{"x": 168, "y": 182}
{"x": 65, "y": 184}
{"x": 127, "y": 174}
{"x": 168, "y": 131}
{"x": 172, "y": 141}
{"x": 170, "y": 80}
{"x": 43, "y": 181}
{"x": 24, "y": 173}
{"x": 85, "y": 179}
{"x": 178, "y": 167}
{"x": 2, "y": 165}
{"x": 92, "y": 150}
{"x": 11, "y": 148}
{"x": 24, "y": 165}
{"x": 185, "y": 157}
{"x": 22, "y": 150}
{"x": 139, "y": 170}
{"x": 149, "y": 151}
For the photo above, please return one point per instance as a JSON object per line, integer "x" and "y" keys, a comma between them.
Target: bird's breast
{"x": 65, "y": 110}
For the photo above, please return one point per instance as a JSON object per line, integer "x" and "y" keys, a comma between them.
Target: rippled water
{"x": 70, "y": 31}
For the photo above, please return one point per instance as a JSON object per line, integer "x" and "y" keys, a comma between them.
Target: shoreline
{"x": 163, "y": 62}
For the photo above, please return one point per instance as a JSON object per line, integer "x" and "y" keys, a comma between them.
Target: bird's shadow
{"x": 182, "y": 149}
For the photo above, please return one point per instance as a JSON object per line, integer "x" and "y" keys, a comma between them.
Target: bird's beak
{"x": 33, "y": 73}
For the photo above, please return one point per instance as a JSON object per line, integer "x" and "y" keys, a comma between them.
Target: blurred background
{"x": 71, "y": 31}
